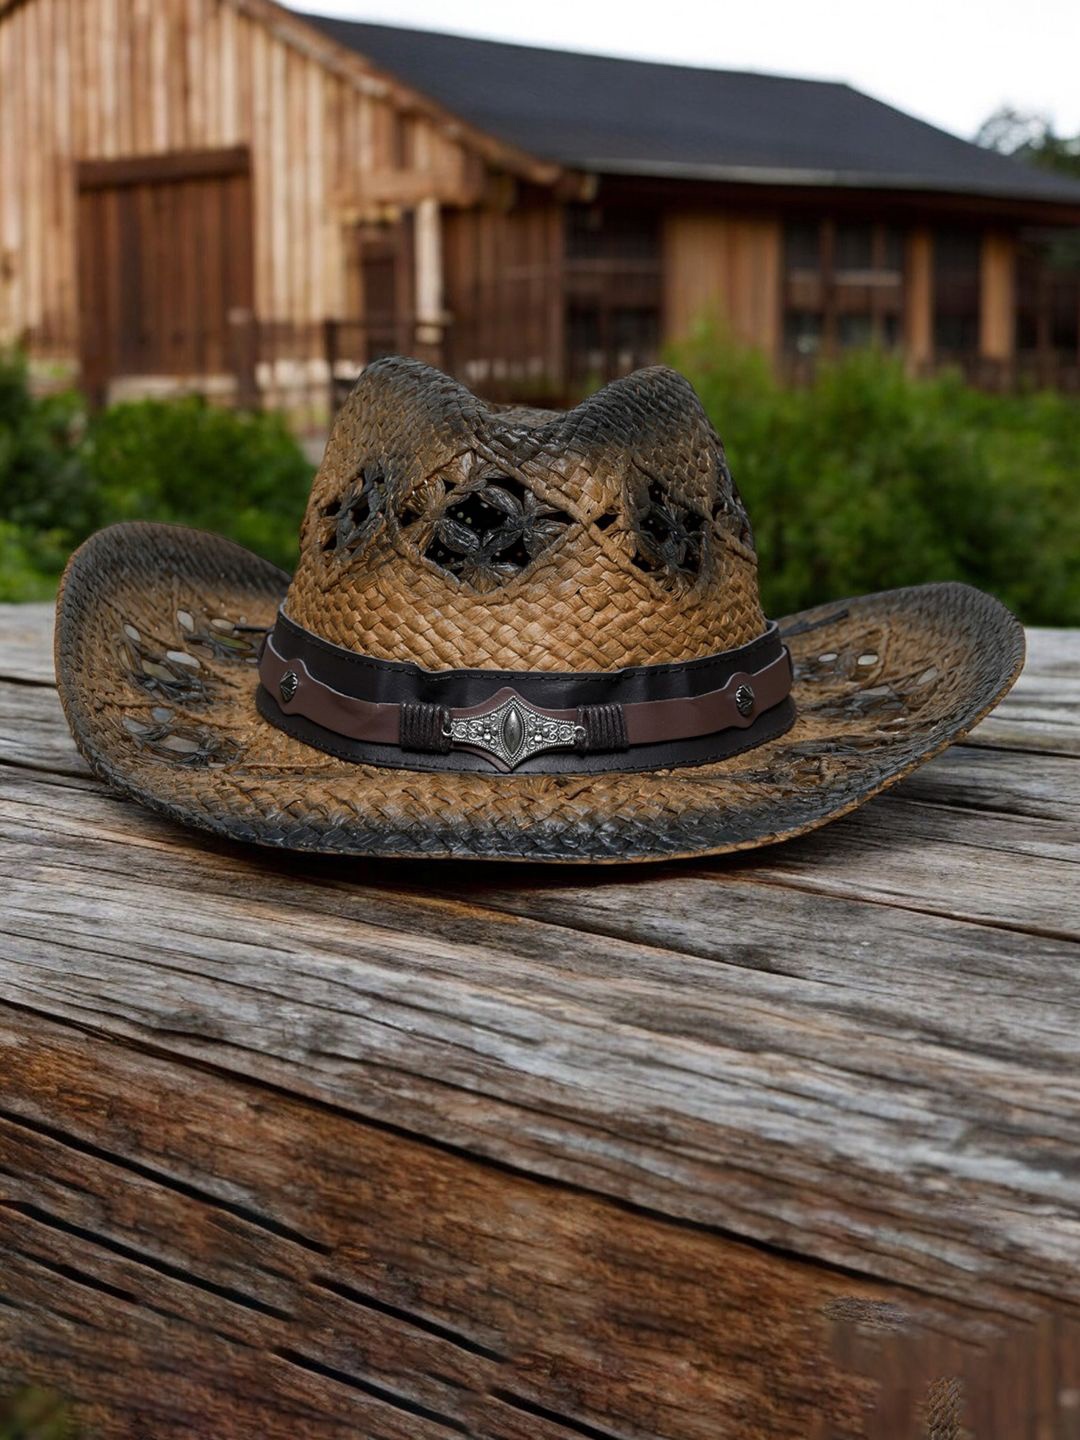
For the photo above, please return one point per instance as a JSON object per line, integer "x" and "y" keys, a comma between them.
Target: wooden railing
{"x": 309, "y": 369}
{"x": 510, "y": 347}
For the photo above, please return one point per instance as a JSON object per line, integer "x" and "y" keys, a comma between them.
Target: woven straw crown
{"x": 455, "y": 534}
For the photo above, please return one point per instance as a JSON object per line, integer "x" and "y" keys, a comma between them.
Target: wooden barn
{"x": 227, "y": 195}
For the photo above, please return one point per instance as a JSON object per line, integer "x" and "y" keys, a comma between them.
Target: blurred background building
{"x": 227, "y": 196}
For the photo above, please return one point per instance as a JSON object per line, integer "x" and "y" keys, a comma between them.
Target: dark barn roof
{"x": 611, "y": 116}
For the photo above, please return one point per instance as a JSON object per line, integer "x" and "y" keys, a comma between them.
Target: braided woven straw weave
{"x": 637, "y": 463}
{"x": 454, "y": 534}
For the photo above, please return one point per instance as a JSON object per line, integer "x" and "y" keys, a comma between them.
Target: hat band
{"x": 645, "y": 717}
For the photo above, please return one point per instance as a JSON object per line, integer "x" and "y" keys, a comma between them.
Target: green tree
{"x": 868, "y": 479}
{"x": 65, "y": 473}
{"x": 1029, "y": 135}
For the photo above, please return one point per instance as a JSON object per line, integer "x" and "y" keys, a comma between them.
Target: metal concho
{"x": 513, "y": 731}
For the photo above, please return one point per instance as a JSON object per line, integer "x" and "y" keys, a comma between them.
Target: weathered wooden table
{"x": 782, "y": 1146}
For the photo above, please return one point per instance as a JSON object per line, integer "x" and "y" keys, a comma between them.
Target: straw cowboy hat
{"x": 512, "y": 634}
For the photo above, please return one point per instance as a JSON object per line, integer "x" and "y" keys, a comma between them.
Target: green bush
{"x": 29, "y": 562}
{"x": 63, "y": 474}
{"x": 242, "y": 475}
{"x": 867, "y": 479}
{"x": 35, "y": 1414}
{"x": 41, "y": 480}
{"x": 862, "y": 481}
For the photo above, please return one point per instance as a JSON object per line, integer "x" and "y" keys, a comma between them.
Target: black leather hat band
{"x": 644, "y": 717}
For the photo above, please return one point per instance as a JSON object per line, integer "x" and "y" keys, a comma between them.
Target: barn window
{"x": 956, "y": 292}
{"x": 1048, "y": 308}
{"x": 843, "y": 285}
{"x": 612, "y": 289}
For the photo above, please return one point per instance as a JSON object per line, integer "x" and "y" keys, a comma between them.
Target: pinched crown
{"x": 456, "y": 534}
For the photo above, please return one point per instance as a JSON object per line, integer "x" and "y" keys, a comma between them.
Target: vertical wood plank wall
{"x": 726, "y": 265}
{"x": 102, "y": 79}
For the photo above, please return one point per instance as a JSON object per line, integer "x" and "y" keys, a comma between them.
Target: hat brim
{"x": 156, "y": 635}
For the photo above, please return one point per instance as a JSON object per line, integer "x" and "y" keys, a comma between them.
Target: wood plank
{"x": 43, "y": 102}
{"x": 315, "y": 221}
{"x": 109, "y": 79}
{"x": 93, "y": 366}
{"x": 159, "y": 77}
{"x": 42, "y": 1235}
{"x": 197, "y": 77}
{"x": 263, "y": 178}
{"x": 1042, "y": 707}
{"x": 122, "y": 61}
{"x": 277, "y": 182}
{"x": 9, "y": 294}
{"x": 178, "y": 76}
{"x": 226, "y": 42}
{"x": 33, "y": 165}
{"x": 773, "y": 1142}
{"x": 62, "y": 243}
{"x": 672, "y": 940}
{"x": 125, "y": 279}
{"x": 335, "y": 1299}
{"x": 109, "y": 281}
{"x": 297, "y": 231}
{"x": 140, "y": 77}
{"x": 187, "y": 253}
{"x": 175, "y": 165}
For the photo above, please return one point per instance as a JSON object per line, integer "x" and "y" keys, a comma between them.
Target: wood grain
{"x": 770, "y": 1147}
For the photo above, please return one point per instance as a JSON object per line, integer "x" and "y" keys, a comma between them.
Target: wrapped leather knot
{"x": 603, "y": 726}
{"x": 423, "y": 727}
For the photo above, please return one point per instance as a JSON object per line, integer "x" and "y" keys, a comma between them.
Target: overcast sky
{"x": 948, "y": 61}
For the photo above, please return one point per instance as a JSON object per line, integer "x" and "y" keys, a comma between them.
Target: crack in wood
{"x": 407, "y": 1317}
{"x": 140, "y": 1257}
{"x": 94, "y": 1282}
{"x": 378, "y": 1392}
{"x": 489, "y": 1162}
{"x": 894, "y": 902}
{"x": 555, "y": 1417}
{"x": 829, "y": 1265}
{"x": 32, "y": 682}
{"x": 160, "y": 1177}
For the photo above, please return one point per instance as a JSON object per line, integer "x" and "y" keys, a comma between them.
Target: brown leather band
{"x": 652, "y": 721}
{"x": 506, "y": 728}
{"x": 343, "y": 714}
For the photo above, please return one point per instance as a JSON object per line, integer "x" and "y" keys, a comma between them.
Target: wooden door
{"x": 506, "y": 288}
{"x": 382, "y": 291}
{"x": 166, "y": 282}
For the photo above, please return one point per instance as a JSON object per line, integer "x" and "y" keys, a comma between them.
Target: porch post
{"x": 997, "y": 302}
{"x": 919, "y": 300}
{"x": 430, "y": 315}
